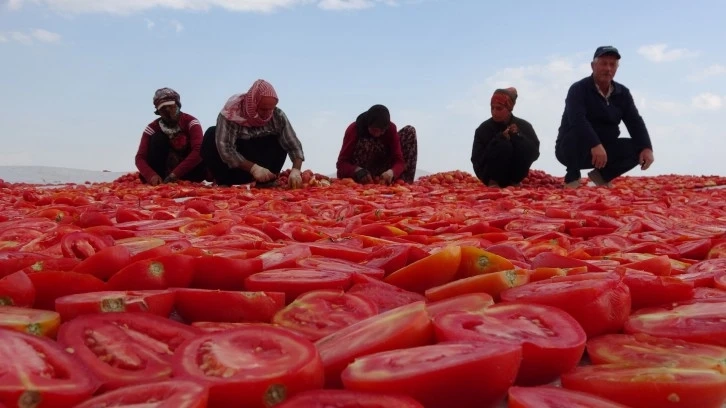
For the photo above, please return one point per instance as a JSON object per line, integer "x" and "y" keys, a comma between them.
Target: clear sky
{"x": 77, "y": 76}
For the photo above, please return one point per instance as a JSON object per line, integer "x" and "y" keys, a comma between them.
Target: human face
{"x": 266, "y": 106}
{"x": 169, "y": 114}
{"x": 604, "y": 68}
{"x": 375, "y": 132}
{"x": 500, "y": 113}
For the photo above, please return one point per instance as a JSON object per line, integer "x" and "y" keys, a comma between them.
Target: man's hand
{"x": 171, "y": 178}
{"x": 387, "y": 176}
{"x": 362, "y": 176}
{"x": 646, "y": 159}
{"x": 599, "y": 156}
{"x": 295, "y": 178}
{"x": 261, "y": 174}
{"x": 155, "y": 180}
{"x": 513, "y": 129}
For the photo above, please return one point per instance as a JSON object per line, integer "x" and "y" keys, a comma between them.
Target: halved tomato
{"x": 158, "y": 302}
{"x": 555, "y": 397}
{"x": 223, "y": 273}
{"x": 195, "y": 305}
{"x": 493, "y": 283}
{"x": 348, "y": 399}
{"x": 50, "y": 285}
{"x": 650, "y": 387}
{"x": 169, "y": 271}
{"x": 81, "y": 244}
{"x": 31, "y": 321}
{"x": 434, "y": 270}
{"x": 38, "y": 373}
{"x": 384, "y": 295}
{"x": 441, "y": 375}
{"x": 163, "y": 394}
{"x": 476, "y": 261}
{"x": 552, "y": 341}
{"x": 698, "y": 322}
{"x": 296, "y": 281}
{"x": 317, "y": 314}
{"x": 647, "y": 290}
{"x": 256, "y": 366}
{"x": 642, "y": 350}
{"x": 406, "y": 326}
{"x": 106, "y": 262}
{"x": 390, "y": 258}
{"x": 17, "y": 289}
{"x": 472, "y": 302}
{"x": 284, "y": 257}
{"x": 124, "y": 349}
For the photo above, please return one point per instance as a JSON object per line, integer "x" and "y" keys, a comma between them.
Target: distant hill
{"x": 55, "y": 175}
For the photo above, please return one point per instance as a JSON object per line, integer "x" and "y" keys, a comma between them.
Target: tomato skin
{"x": 439, "y": 376}
{"x": 164, "y": 394}
{"x": 286, "y": 365}
{"x": 476, "y": 261}
{"x": 297, "y": 281}
{"x": 698, "y": 322}
{"x": 648, "y": 290}
{"x": 50, "y": 285}
{"x": 32, "y": 321}
{"x": 195, "y": 305}
{"x": 317, "y": 314}
{"x": 384, "y": 295}
{"x": 552, "y": 342}
{"x": 158, "y": 302}
{"x": 493, "y": 284}
{"x": 434, "y": 270}
{"x": 406, "y": 326}
{"x": 135, "y": 348}
{"x": 650, "y": 387}
{"x": 555, "y": 397}
{"x": 105, "y": 263}
{"x": 348, "y": 399}
{"x": 168, "y": 271}
{"x": 64, "y": 385}
{"x": 471, "y": 302}
{"x": 17, "y": 289}
{"x": 390, "y": 258}
{"x": 218, "y": 272}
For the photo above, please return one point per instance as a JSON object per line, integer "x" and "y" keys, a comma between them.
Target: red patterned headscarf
{"x": 505, "y": 97}
{"x": 242, "y": 108}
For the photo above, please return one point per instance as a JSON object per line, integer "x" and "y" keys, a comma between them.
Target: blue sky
{"x": 78, "y": 76}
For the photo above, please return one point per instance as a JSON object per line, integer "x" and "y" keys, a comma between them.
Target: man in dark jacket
{"x": 504, "y": 146}
{"x": 590, "y": 129}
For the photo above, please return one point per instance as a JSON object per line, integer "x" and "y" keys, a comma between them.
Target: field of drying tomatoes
{"x": 439, "y": 294}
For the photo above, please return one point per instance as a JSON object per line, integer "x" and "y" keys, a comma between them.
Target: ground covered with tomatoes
{"x": 441, "y": 293}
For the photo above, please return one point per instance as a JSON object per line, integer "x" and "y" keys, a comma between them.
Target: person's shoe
{"x": 572, "y": 184}
{"x": 596, "y": 178}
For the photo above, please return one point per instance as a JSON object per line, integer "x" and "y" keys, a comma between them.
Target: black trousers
{"x": 158, "y": 158}
{"x": 509, "y": 166}
{"x": 623, "y": 156}
{"x": 264, "y": 151}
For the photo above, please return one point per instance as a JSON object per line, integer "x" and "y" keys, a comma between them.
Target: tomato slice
{"x": 158, "y": 302}
{"x": 340, "y": 251}
{"x": 331, "y": 264}
{"x": 406, "y": 326}
{"x": 321, "y": 313}
{"x": 284, "y": 257}
{"x": 434, "y": 270}
{"x": 37, "y": 372}
{"x": 476, "y": 261}
{"x": 552, "y": 341}
{"x": 255, "y": 366}
{"x": 106, "y": 262}
{"x": 50, "y": 285}
{"x": 140, "y": 244}
{"x": 163, "y": 394}
{"x": 223, "y": 273}
{"x": 348, "y": 399}
{"x": 81, "y": 245}
{"x": 441, "y": 375}
{"x": 384, "y": 295}
{"x": 195, "y": 305}
{"x": 31, "y": 321}
{"x": 296, "y": 281}
{"x": 390, "y": 258}
{"x": 493, "y": 283}
{"x": 472, "y": 302}
{"x": 555, "y": 397}
{"x": 698, "y": 322}
{"x": 650, "y": 387}
{"x": 168, "y": 271}
{"x": 123, "y": 349}
{"x": 642, "y": 350}
{"x": 17, "y": 289}
{"x": 647, "y": 290}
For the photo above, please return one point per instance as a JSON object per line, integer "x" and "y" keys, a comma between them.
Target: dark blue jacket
{"x": 597, "y": 120}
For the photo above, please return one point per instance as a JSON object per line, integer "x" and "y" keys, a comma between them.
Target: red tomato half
{"x": 123, "y": 349}
{"x": 38, "y": 373}
{"x": 434, "y": 270}
{"x": 441, "y": 375}
{"x": 31, "y": 321}
{"x": 169, "y": 271}
{"x": 348, "y": 399}
{"x": 472, "y": 302}
{"x": 105, "y": 263}
{"x": 552, "y": 341}
{"x": 339, "y": 265}
{"x": 17, "y": 289}
{"x": 384, "y": 295}
{"x": 256, "y": 366}
{"x": 164, "y": 394}
{"x": 51, "y": 285}
{"x": 650, "y": 387}
{"x": 643, "y": 350}
{"x": 600, "y": 302}
{"x": 321, "y": 313}
{"x": 81, "y": 245}
{"x": 296, "y": 281}
{"x": 555, "y": 397}
{"x": 406, "y": 326}
{"x": 648, "y": 290}
{"x": 698, "y": 322}
{"x": 158, "y": 302}
{"x": 198, "y": 305}
{"x": 390, "y": 258}
{"x": 218, "y": 272}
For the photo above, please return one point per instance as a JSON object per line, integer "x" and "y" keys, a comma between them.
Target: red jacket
{"x": 346, "y": 162}
{"x": 190, "y": 127}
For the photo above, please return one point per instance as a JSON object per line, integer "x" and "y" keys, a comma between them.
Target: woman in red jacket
{"x": 373, "y": 148}
{"x": 169, "y": 148}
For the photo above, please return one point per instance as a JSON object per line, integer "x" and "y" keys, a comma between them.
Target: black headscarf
{"x": 377, "y": 117}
